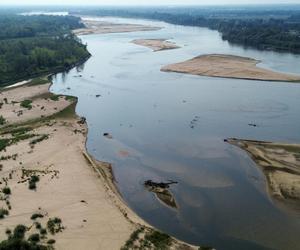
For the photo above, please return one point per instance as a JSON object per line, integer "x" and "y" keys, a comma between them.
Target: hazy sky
{"x": 143, "y": 2}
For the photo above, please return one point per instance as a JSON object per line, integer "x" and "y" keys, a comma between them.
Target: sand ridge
{"x": 156, "y": 44}
{"x": 93, "y": 26}
{"x": 280, "y": 162}
{"x": 228, "y": 66}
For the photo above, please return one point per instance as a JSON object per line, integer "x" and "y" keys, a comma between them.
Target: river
{"x": 170, "y": 126}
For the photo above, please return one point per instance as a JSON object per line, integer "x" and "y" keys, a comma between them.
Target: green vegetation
{"x": 6, "y": 190}
{"x": 35, "y": 216}
{"x": 54, "y": 97}
{"x": 54, "y": 225}
{"x": 3, "y": 213}
{"x": 144, "y": 238}
{"x": 17, "y": 240}
{"x": 39, "y": 139}
{"x": 26, "y": 104}
{"x": 2, "y": 120}
{"x": 37, "y": 45}
{"x": 270, "y": 28}
{"x": 158, "y": 239}
{"x": 32, "y": 182}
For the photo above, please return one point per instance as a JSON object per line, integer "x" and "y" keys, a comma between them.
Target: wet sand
{"x": 156, "y": 44}
{"x": 228, "y": 66}
{"x": 49, "y": 142}
{"x": 280, "y": 162}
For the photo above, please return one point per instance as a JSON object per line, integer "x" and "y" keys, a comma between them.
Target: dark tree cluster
{"x": 35, "y": 45}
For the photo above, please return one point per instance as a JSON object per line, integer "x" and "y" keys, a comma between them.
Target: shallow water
{"x": 221, "y": 194}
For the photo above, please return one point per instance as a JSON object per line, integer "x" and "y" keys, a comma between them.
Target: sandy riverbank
{"x": 281, "y": 165}
{"x": 47, "y": 141}
{"x": 100, "y": 27}
{"x": 156, "y": 44}
{"x": 228, "y": 66}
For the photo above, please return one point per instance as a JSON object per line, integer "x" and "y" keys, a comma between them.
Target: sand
{"x": 280, "y": 162}
{"x": 100, "y": 27}
{"x": 228, "y": 66}
{"x": 72, "y": 186}
{"x": 156, "y": 44}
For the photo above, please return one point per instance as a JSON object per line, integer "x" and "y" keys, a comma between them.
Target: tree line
{"x": 266, "y": 29}
{"x": 34, "y": 45}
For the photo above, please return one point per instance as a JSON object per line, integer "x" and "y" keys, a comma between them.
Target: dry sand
{"x": 228, "y": 66}
{"x": 156, "y": 44}
{"x": 72, "y": 186}
{"x": 100, "y": 27}
{"x": 281, "y": 165}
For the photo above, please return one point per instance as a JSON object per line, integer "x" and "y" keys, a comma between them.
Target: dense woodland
{"x": 34, "y": 45}
{"x": 266, "y": 28}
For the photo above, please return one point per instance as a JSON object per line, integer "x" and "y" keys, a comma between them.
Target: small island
{"x": 156, "y": 44}
{"x": 228, "y": 66}
{"x": 280, "y": 162}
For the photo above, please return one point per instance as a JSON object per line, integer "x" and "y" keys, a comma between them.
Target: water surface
{"x": 171, "y": 126}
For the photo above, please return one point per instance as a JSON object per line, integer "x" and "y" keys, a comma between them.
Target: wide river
{"x": 169, "y": 126}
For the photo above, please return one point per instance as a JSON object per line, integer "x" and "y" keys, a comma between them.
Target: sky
{"x": 143, "y": 2}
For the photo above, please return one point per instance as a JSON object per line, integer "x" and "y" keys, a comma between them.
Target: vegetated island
{"x": 53, "y": 193}
{"x": 280, "y": 162}
{"x": 156, "y": 44}
{"x": 100, "y": 27}
{"x": 228, "y": 66}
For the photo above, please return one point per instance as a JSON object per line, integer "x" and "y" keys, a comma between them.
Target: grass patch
{"x": 38, "y": 81}
{"x": 54, "y": 97}
{"x": 26, "y": 104}
{"x": 159, "y": 240}
{"x": 39, "y": 139}
{"x": 4, "y": 143}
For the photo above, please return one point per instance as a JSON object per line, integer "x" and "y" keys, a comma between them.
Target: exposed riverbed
{"x": 171, "y": 126}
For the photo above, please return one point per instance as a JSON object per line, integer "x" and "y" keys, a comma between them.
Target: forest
{"x": 35, "y": 45}
{"x": 265, "y": 28}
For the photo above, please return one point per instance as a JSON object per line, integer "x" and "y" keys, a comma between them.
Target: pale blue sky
{"x": 143, "y": 2}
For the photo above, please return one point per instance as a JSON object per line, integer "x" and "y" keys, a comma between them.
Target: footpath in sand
{"x": 51, "y": 185}
{"x": 228, "y": 66}
{"x": 281, "y": 165}
{"x": 156, "y": 44}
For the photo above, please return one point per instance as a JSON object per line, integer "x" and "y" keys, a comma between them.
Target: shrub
{"x": 3, "y": 213}
{"x": 35, "y": 216}
{"x": 54, "y": 225}
{"x": 158, "y": 239}
{"x": 51, "y": 241}
{"x": 6, "y": 190}
{"x": 34, "y": 238}
{"x": 32, "y": 182}
{"x": 2, "y": 120}
{"x": 19, "y": 232}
